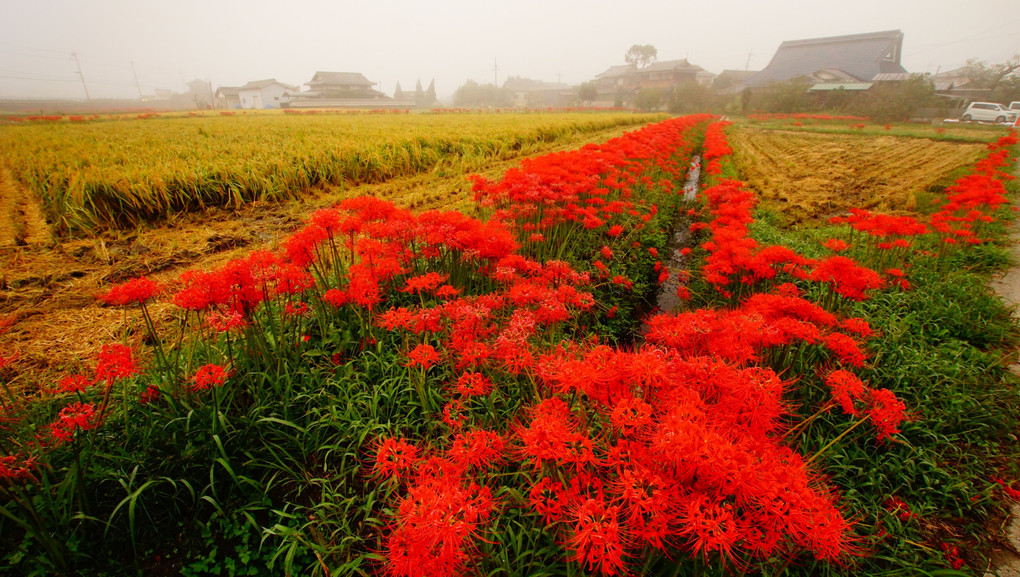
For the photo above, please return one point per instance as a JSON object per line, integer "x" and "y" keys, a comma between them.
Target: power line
{"x": 37, "y": 79}
{"x": 926, "y": 47}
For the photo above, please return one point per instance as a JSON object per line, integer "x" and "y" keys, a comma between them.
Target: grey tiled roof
{"x": 255, "y": 84}
{"x": 670, "y": 65}
{"x": 343, "y": 78}
{"x": 614, "y": 71}
{"x": 860, "y": 55}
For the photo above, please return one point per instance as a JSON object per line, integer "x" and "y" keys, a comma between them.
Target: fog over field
{"x": 127, "y": 47}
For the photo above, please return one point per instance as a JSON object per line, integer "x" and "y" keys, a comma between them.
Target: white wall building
{"x": 262, "y": 94}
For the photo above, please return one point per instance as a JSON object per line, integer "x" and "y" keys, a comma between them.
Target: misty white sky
{"x": 230, "y": 42}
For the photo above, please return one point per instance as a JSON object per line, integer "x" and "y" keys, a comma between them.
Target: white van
{"x": 988, "y": 112}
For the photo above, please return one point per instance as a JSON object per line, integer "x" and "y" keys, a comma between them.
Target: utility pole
{"x": 747, "y": 65}
{"x": 82, "y": 76}
{"x": 137, "y": 85}
{"x": 495, "y": 73}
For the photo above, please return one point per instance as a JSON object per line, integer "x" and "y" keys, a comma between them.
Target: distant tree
{"x": 430, "y": 93}
{"x": 588, "y": 92}
{"x": 1002, "y": 79}
{"x": 783, "y": 97}
{"x": 398, "y": 94}
{"x": 641, "y": 55}
{"x": 691, "y": 97}
{"x": 984, "y": 75}
{"x": 472, "y": 93}
{"x": 648, "y": 99}
{"x": 896, "y": 101}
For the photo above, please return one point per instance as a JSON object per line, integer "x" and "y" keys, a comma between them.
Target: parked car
{"x": 988, "y": 112}
{"x": 1014, "y": 107}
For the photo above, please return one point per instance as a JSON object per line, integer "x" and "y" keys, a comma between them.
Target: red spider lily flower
{"x": 836, "y": 245}
{"x": 886, "y": 412}
{"x": 150, "y": 394}
{"x": 16, "y": 468}
{"x": 425, "y": 282}
{"x": 73, "y": 384}
{"x": 210, "y": 375}
{"x": 846, "y": 349}
{"x": 424, "y": 356}
{"x": 74, "y": 417}
{"x": 473, "y": 384}
{"x": 453, "y": 414}
{"x": 896, "y": 506}
{"x": 858, "y": 326}
{"x": 654, "y": 252}
{"x": 548, "y": 497}
{"x": 394, "y": 459}
{"x": 1011, "y": 492}
{"x": 630, "y": 415}
{"x": 952, "y": 554}
{"x": 115, "y": 362}
{"x": 607, "y": 253}
{"x": 597, "y": 541}
{"x": 336, "y": 297}
{"x": 477, "y": 449}
{"x": 611, "y": 313}
{"x": 615, "y": 231}
{"x": 136, "y": 290}
{"x": 222, "y": 322}
{"x": 685, "y": 251}
{"x": 846, "y": 277}
{"x": 395, "y": 318}
{"x": 446, "y": 292}
{"x": 435, "y": 527}
{"x": 846, "y": 388}
{"x": 299, "y": 310}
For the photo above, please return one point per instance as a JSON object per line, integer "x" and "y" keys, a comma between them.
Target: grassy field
{"x": 118, "y": 172}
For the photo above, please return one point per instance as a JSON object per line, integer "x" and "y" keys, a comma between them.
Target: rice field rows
{"x": 95, "y": 175}
{"x": 811, "y": 175}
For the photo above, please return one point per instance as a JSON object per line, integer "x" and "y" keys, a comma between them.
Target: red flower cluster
{"x": 439, "y": 516}
{"x": 16, "y": 468}
{"x": 74, "y": 417}
{"x": 763, "y": 321}
{"x": 208, "y": 376}
{"x": 896, "y": 506}
{"x": 115, "y": 362}
{"x": 881, "y": 225}
{"x": 716, "y": 147}
{"x": 692, "y": 460}
{"x": 732, "y": 253}
{"x": 137, "y": 290}
{"x": 591, "y": 187}
{"x": 970, "y": 200}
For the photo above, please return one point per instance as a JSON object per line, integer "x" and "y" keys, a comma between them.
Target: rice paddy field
{"x": 505, "y": 345}
{"x": 103, "y": 172}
